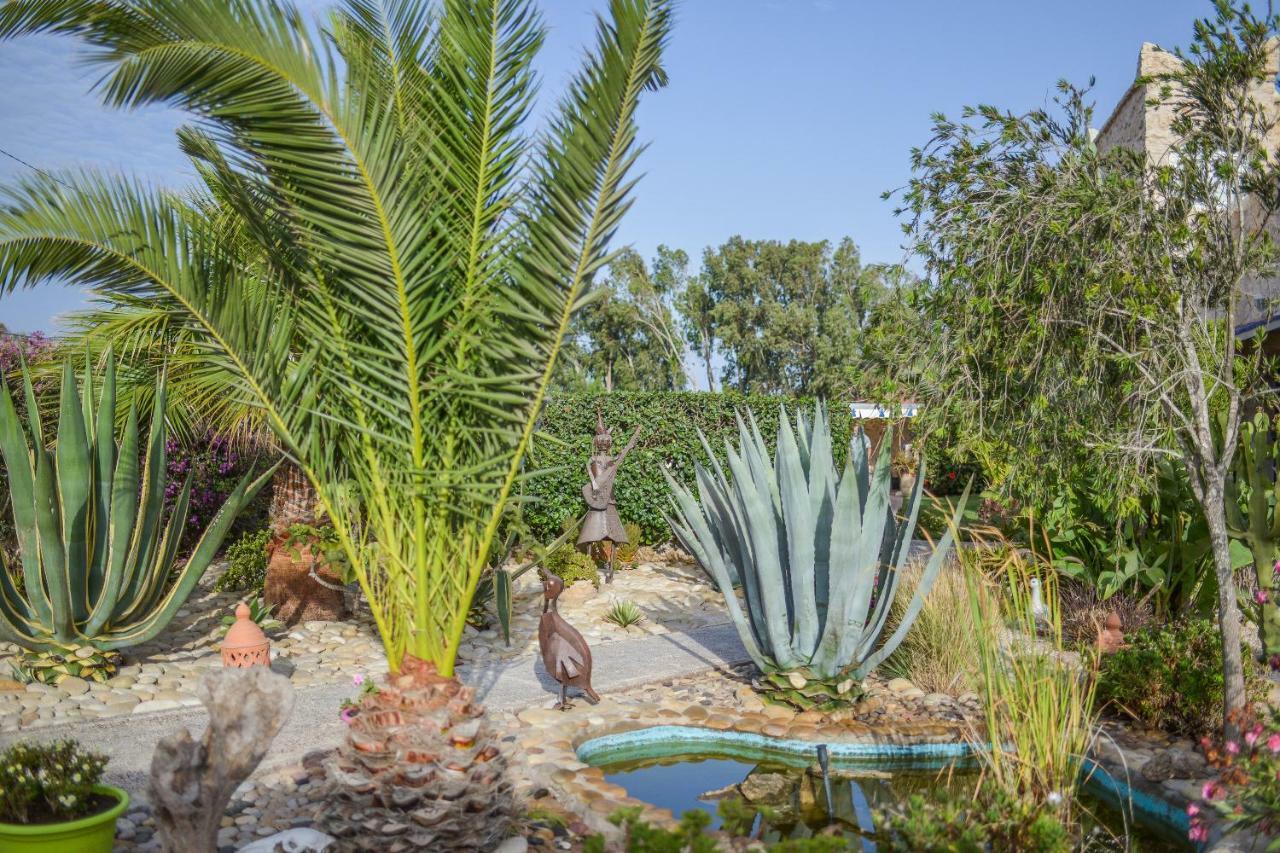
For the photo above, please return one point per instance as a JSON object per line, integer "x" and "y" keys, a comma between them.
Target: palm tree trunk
{"x": 293, "y": 500}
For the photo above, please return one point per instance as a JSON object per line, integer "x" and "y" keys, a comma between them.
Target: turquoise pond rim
{"x": 673, "y": 741}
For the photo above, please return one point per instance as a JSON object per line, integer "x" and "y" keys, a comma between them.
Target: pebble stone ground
{"x": 162, "y": 675}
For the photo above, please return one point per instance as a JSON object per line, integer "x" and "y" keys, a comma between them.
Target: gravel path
{"x": 129, "y": 741}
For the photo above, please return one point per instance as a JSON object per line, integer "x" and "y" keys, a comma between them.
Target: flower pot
{"x": 93, "y": 834}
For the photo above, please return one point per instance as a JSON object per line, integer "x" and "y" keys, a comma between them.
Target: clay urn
{"x": 246, "y": 644}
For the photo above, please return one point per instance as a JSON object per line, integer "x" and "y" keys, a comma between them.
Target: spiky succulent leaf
{"x": 819, "y": 553}
{"x": 97, "y": 554}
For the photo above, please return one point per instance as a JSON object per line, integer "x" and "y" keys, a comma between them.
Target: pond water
{"x": 782, "y": 796}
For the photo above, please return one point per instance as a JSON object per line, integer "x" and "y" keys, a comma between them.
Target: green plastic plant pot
{"x": 93, "y": 834}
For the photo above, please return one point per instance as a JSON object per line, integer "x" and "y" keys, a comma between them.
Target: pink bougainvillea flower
{"x": 1251, "y": 736}
{"x": 1193, "y": 809}
{"x": 1209, "y": 791}
{"x": 1233, "y": 747}
{"x": 1260, "y": 596}
{"x": 1273, "y": 742}
{"x": 358, "y": 679}
{"x": 1198, "y": 833}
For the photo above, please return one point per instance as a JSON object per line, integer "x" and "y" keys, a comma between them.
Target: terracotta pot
{"x": 296, "y": 595}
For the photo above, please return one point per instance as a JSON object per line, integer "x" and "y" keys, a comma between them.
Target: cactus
{"x": 1253, "y": 493}
{"x": 96, "y": 558}
{"x": 819, "y": 554}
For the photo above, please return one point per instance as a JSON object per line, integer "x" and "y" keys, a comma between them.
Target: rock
{"x": 125, "y": 829}
{"x": 9, "y": 685}
{"x": 901, "y": 685}
{"x": 515, "y": 844}
{"x": 1172, "y": 764}
{"x": 765, "y": 787}
{"x": 156, "y": 705}
{"x": 74, "y": 686}
{"x": 191, "y": 782}
{"x": 291, "y": 841}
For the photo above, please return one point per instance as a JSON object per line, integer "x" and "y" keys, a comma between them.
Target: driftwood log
{"x": 192, "y": 781}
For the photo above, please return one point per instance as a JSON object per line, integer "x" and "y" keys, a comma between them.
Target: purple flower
{"x": 347, "y": 715}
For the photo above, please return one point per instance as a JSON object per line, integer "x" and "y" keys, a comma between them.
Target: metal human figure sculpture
{"x": 602, "y": 523}
{"x": 565, "y": 653}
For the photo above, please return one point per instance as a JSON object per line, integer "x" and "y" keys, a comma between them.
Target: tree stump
{"x": 192, "y": 782}
{"x": 296, "y": 595}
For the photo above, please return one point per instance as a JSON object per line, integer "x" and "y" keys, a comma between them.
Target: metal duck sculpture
{"x": 565, "y": 653}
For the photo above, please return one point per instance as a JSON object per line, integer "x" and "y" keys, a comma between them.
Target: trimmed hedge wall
{"x": 669, "y": 437}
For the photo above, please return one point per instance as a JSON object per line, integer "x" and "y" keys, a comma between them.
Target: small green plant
{"x": 624, "y": 614}
{"x": 968, "y": 823}
{"x": 325, "y": 547}
{"x": 626, "y": 552}
{"x": 349, "y": 708}
{"x": 247, "y": 563}
{"x": 55, "y": 666}
{"x": 259, "y": 612}
{"x": 46, "y": 782}
{"x": 1170, "y": 678}
{"x": 572, "y": 565}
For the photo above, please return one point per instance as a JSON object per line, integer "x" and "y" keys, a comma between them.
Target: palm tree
{"x": 382, "y": 261}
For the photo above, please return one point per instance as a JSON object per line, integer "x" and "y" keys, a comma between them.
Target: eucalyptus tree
{"x": 415, "y": 250}
{"x": 1086, "y": 300}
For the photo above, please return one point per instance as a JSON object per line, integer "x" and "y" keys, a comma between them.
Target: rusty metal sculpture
{"x": 602, "y": 524}
{"x": 565, "y": 653}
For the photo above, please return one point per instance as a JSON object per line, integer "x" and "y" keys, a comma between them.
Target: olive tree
{"x": 1082, "y": 303}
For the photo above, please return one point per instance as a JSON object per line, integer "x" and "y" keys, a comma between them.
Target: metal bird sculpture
{"x": 565, "y": 653}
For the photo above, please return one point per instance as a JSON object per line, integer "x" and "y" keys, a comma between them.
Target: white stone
{"x": 293, "y": 841}
{"x": 157, "y": 705}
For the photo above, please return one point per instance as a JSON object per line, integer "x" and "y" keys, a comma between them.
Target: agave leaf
{"x": 104, "y": 455}
{"x": 798, "y": 540}
{"x": 74, "y": 480}
{"x": 123, "y": 512}
{"x": 502, "y": 601}
{"x": 19, "y": 468}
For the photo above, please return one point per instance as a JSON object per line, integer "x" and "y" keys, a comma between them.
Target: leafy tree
{"x": 1082, "y": 299}
{"x": 626, "y": 337}
{"x": 787, "y": 317}
{"x": 696, "y": 308}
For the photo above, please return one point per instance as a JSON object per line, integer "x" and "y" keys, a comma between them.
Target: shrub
{"x": 626, "y": 553}
{"x": 215, "y": 466}
{"x": 669, "y": 440}
{"x": 992, "y": 820}
{"x": 1247, "y": 795}
{"x": 48, "y": 782}
{"x": 572, "y": 565}
{"x": 1170, "y": 678}
{"x": 247, "y": 563}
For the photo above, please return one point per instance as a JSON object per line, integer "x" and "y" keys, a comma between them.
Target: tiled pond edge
{"x": 560, "y": 747}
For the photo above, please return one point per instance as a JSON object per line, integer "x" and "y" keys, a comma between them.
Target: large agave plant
{"x": 818, "y": 554}
{"x": 96, "y": 554}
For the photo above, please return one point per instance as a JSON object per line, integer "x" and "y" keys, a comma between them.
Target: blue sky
{"x": 784, "y": 118}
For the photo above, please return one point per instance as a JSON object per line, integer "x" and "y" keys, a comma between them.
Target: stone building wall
{"x": 1137, "y": 124}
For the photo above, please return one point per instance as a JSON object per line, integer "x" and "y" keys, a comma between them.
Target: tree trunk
{"x": 293, "y": 500}
{"x": 706, "y": 359}
{"x": 1228, "y": 611}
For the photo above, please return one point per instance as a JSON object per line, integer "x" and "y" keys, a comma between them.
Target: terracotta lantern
{"x": 245, "y": 645}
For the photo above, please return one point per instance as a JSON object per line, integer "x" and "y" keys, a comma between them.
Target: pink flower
{"x": 1193, "y": 809}
{"x": 358, "y": 679}
{"x": 347, "y": 715}
{"x": 1198, "y": 833}
{"x": 1275, "y": 570}
{"x": 1260, "y": 596}
{"x": 1209, "y": 791}
{"x": 1251, "y": 736}
{"x": 1273, "y": 743}
{"x": 1233, "y": 747}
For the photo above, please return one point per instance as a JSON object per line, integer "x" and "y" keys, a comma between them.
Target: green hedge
{"x": 670, "y": 422}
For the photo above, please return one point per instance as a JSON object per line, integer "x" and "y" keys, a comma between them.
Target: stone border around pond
{"x": 551, "y": 744}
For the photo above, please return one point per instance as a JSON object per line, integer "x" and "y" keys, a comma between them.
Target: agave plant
{"x": 819, "y": 554}
{"x": 97, "y": 556}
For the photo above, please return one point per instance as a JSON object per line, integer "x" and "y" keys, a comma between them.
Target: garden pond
{"x": 780, "y": 792}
